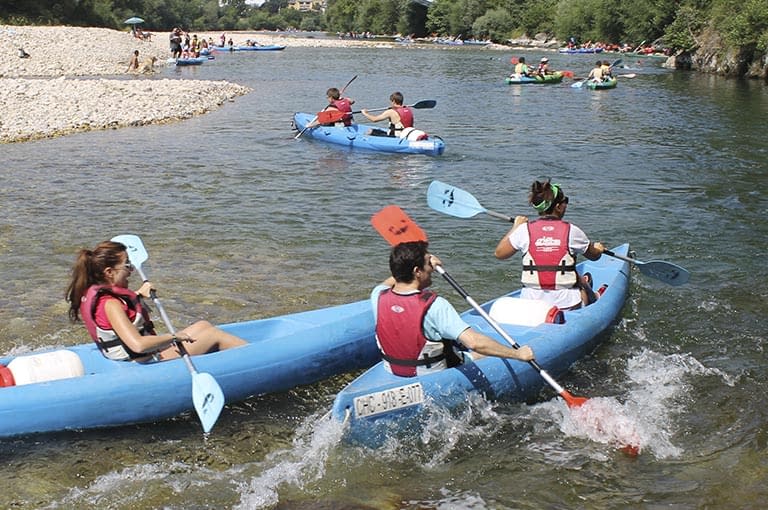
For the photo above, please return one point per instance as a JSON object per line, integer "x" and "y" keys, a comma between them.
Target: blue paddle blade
{"x": 453, "y": 201}
{"x": 577, "y": 84}
{"x": 137, "y": 254}
{"x": 665, "y": 271}
{"x": 208, "y": 399}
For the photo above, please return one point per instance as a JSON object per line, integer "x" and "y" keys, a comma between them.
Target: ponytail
{"x": 89, "y": 270}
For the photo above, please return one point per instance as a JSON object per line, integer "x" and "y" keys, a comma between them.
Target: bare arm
{"x": 390, "y": 115}
{"x": 482, "y": 344}
{"x": 594, "y": 251}
{"x": 128, "y": 333}
{"x": 504, "y": 249}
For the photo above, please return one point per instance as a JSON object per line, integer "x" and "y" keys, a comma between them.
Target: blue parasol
{"x": 134, "y": 21}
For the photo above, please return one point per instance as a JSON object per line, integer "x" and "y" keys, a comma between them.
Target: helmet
{"x": 544, "y": 59}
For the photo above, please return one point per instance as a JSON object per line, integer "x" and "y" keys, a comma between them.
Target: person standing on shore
{"x": 175, "y": 42}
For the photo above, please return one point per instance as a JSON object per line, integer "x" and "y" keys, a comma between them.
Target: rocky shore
{"x": 75, "y": 79}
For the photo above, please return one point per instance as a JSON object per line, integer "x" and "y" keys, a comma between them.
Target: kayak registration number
{"x": 388, "y": 400}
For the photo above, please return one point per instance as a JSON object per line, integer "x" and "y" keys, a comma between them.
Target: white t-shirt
{"x": 578, "y": 243}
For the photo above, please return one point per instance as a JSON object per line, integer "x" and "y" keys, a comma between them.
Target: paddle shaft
{"x": 315, "y": 118}
{"x": 168, "y": 324}
{"x": 495, "y": 325}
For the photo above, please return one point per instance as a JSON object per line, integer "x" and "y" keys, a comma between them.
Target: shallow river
{"x": 242, "y": 221}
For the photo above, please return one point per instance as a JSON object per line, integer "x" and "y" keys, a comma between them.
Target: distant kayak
{"x": 555, "y": 77}
{"x": 356, "y": 137}
{"x": 580, "y": 50}
{"x": 605, "y": 84}
{"x": 265, "y": 47}
{"x": 194, "y": 61}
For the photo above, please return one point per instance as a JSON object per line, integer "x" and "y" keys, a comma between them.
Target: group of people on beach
{"x": 184, "y": 46}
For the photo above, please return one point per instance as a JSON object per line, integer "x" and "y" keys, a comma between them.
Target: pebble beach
{"x": 75, "y": 79}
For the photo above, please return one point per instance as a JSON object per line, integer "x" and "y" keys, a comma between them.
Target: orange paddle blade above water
{"x": 396, "y": 227}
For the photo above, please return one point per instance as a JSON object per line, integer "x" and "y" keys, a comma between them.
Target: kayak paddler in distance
{"x": 336, "y": 103}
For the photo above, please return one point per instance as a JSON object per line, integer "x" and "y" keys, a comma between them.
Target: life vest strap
{"x": 425, "y": 361}
{"x": 562, "y": 268}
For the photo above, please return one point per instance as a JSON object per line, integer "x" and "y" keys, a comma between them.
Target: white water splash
{"x": 303, "y": 463}
{"x": 646, "y": 418}
{"x": 127, "y": 487}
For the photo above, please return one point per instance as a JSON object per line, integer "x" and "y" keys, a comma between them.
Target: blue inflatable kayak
{"x": 192, "y": 61}
{"x": 265, "y": 47}
{"x": 378, "y": 404}
{"x": 78, "y": 388}
{"x": 356, "y": 137}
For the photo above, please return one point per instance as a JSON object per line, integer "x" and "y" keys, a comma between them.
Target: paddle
{"x": 396, "y": 227}
{"x": 454, "y": 201}
{"x": 314, "y": 119}
{"x": 326, "y": 116}
{"x": 579, "y": 84}
{"x": 206, "y": 392}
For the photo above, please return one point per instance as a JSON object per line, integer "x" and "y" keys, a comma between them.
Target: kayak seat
{"x": 525, "y": 312}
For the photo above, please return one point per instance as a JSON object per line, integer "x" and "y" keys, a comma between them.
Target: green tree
{"x": 496, "y": 24}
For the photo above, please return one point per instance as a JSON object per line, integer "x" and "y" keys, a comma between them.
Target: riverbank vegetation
{"x": 741, "y": 26}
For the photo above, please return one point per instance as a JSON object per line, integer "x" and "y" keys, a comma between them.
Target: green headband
{"x": 546, "y": 204}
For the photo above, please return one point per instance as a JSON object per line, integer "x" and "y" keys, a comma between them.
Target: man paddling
{"x": 416, "y": 330}
{"x": 400, "y": 117}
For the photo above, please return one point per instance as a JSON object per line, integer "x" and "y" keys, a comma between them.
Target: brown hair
{"x": 89, "y": 270}
{"x": 544, "y": 196}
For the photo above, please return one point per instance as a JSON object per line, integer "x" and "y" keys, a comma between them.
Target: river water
{"x": 242, "y": 221}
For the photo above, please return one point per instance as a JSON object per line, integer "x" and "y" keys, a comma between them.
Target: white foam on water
{"x": 645, "y": 416}
{"x": 303, "y": 463}
{"x": 130, "y": 486}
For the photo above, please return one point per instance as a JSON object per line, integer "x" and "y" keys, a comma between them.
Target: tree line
{"x": 742, "y": 24}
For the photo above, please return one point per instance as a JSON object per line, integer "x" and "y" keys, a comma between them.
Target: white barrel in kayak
{"x": 525, "y": 312}
{"x": 46, "y": 366}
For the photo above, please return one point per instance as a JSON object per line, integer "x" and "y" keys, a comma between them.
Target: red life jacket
{"x": 343, "y": 105}
{"x": 107, "y": 340}
{"x": 406, "y": 117}
{"x": 549, "y": 264}
{"x": 400, "y": 332}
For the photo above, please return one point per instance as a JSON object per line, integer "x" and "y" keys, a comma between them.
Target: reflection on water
{"x": 243, "y": 221}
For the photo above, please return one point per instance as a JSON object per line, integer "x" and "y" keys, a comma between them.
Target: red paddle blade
{"x": 396, "y": 227}
{"x": 514, "y": 60}
{"x": 631, "y": 450}
{"x": 330, "y": 116}
{"x": 573, "y": 401}
{"x": 567, "y": 74}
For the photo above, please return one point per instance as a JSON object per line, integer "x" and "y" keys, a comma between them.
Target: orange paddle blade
{"x": 396, "y": 227}
{"x": 330, "y": 116}
{"x": 573, "y": 401}
{"x": 567, "y": 74}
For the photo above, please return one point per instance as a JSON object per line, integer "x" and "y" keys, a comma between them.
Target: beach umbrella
{"x": 134, "y": 21}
